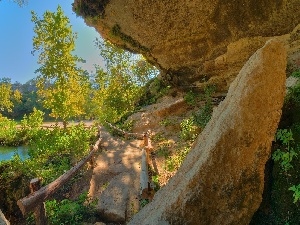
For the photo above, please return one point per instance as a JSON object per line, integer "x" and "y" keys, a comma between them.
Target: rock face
{"x": 3, "y": 220}
{"x": 195, "y": 41}
{"x": 221, "y": 180}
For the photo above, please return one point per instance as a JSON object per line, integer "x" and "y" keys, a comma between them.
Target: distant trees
{"x": 7, "y": 95}
{"x": 62, "y": 85}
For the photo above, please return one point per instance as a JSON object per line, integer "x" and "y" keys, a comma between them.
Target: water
{"x": 6, "y": 153}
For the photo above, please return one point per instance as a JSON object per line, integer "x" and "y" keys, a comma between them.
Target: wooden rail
{"x": 146, "y": 190}
{"x": 35, "y": 200}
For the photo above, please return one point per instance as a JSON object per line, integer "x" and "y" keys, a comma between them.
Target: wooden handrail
{"x": 145, "y": 183}
{"x": 30, "y": 202}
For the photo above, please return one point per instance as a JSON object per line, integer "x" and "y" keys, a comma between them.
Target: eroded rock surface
{"x": 221, "y": 180}
{"x": 195, "y": 41}
{"x": 3, "y": 220}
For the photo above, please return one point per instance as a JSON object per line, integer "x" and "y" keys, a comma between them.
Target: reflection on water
{"x": 7, "y": 153}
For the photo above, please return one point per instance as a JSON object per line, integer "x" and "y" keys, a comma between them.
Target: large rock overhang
{"x": 183, "y": 38}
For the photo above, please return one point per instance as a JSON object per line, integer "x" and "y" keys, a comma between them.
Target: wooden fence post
{"x": 92, "y": 160}
{"x": 39, "y": 211}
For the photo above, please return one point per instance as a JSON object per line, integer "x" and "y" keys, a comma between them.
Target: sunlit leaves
{"x": 120, "y": 84}
{"x": 62, "y": 85}
{"x": 7, "y": 95}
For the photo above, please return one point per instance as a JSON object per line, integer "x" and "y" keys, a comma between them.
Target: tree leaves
{"x": 62, "y": 85}
{"x": 120, "y": 84}
{"x": 7, "y": 95}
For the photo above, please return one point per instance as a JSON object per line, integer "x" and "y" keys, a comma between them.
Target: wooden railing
{"x": 34, "y": 202}
{"x": 146, "y": 190}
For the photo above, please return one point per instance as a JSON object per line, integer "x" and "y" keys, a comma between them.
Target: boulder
{"x": 221, "y": 181}
{"x": 192, "y": 42}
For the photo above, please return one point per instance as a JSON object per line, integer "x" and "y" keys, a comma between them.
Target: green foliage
{"x": 155, "y": 180}
{"x": 143, "y": 202}
{"x": 189, "y": 131}
{"x": 120, "y": 85}
{"x": 126, "y": 126}
{"x": 158, "y": 137}
{"x": 32, "y": 123}
{"x": 191, "y": 98}
{"x": 165, "y": 122}
{"x": 293, "y": 95}
{"x": 70, "y": 212}
{"x": 202, "y": 116}
{"x": 154, "y": 89}
{"x": 28, "y": 101}
{"x": 286, "y": 153}
{"x": 296, "y": 74}
{"x": 14, "y": 180}
{"x": 174, "y": 162}
{"x": 52, "y": 152}
{"x": 190, "y": 127}
{"x": 296, "y": 190}
{"x": 9, "y": 134}
{"x": 163, "y": 150}
{"x": 7, "y": 95}
{"x": 62, "y": 85}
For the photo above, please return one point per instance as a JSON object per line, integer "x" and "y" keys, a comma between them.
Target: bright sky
{"x": 16, "y": 33}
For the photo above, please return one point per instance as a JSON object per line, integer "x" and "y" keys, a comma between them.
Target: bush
{"x": 52, "y": 152}
{"x": 174, "y": 162}
{"x": 9, "y": 134}
{"x": 72, "y": 212}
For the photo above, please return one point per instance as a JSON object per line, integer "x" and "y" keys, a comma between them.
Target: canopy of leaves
{"x": 120, "y": 85}
{"x": 7, "y": 95}
{"x": 62, "y": 85}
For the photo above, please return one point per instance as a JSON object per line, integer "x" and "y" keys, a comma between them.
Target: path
{"x": 115, "y": 179}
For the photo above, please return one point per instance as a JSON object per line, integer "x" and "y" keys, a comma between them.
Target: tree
{"x": 120, "y": 84}
{"x": 62, "y": 85}
{"x": 7, "y": 95}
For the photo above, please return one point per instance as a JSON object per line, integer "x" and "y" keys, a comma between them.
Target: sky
{"x": 16, "y": 34}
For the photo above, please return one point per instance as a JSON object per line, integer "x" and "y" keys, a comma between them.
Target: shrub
{"x": 70, "y": 212}
{"x": 9, "y": 134}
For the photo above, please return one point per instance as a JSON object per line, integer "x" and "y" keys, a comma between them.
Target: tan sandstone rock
{"x": 221, "y": 180}
{"x": 193, "y": 42}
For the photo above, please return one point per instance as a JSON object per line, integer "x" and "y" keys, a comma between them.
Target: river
{"x": 7, "y": 153}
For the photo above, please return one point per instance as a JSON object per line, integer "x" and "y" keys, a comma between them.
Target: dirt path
{"x": 115, "y": 179}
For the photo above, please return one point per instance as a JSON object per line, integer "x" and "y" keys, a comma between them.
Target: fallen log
{"x": 30, "y": 202}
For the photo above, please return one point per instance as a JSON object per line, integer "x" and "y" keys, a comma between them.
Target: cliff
{"x": 193, "y": 42}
